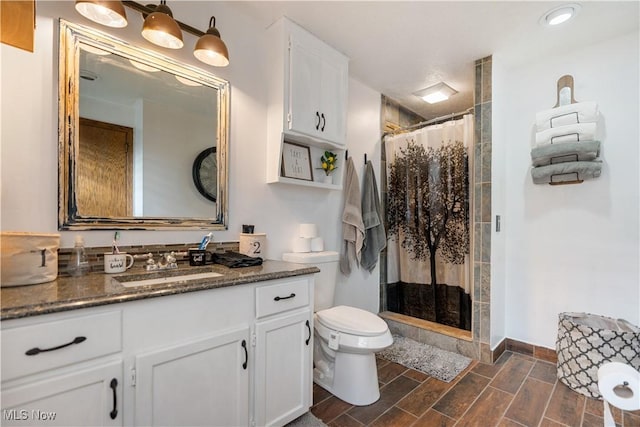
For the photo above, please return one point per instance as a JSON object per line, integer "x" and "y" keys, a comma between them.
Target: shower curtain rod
{"x": 446, "y": 117}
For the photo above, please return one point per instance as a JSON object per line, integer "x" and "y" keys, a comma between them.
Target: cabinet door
{"x": 305, "y": 63}
{"x": 283, "y": 368}
{"x": 333, "y": 101}
{"x": 90, "y": 397}
{"x": 202, "y": 382}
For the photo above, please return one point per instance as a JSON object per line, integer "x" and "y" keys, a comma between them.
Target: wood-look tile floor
{"x": 516, "y": 391}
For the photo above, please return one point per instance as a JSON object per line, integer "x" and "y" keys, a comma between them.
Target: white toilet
{"x": 346, "y": 338}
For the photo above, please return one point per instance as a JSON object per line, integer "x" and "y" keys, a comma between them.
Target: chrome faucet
{"x": 167, "y": 261}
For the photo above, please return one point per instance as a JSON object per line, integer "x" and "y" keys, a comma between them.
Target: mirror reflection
{"x": 143, "y": 122}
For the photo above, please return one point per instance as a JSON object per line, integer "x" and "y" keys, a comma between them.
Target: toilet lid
{"x": 352, "y": 320}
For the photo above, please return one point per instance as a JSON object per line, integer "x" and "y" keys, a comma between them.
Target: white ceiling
{"x": 399, "y": 47}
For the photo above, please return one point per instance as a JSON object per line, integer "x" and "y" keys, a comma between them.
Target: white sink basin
{"x": 168, "y": 279}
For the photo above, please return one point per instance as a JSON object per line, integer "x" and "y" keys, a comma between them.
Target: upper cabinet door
{"x": 318, "y": 79}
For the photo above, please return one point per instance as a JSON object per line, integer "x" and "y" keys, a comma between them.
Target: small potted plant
{"x": 328, "y": 165}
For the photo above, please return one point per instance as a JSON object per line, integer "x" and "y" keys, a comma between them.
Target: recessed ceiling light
{"x": 436, "y": 93}
{"x": 560, "y": 14}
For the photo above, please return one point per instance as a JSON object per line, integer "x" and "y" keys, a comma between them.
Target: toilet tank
{"x": 325, "y": 281}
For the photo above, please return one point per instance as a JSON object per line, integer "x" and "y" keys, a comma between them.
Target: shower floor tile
{"x": 515, "y": 391}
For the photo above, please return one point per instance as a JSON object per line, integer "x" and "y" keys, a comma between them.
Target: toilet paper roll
{"x": 317, "y": 244}
{"x": 619, "y": 385}
{"x": 308, "y": 230}
{"x": 302, "y": 244}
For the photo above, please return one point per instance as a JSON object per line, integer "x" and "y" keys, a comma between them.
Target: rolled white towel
{"x": 581, "y": 112}
{"x": 568, "y": 133}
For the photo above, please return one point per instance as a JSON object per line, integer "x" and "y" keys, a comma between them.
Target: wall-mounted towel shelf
{"x": 564, "y": 96}
{"x": 565, "y": 148}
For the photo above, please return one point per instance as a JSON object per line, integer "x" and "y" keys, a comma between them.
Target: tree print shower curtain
{"x": 428, "y": 206}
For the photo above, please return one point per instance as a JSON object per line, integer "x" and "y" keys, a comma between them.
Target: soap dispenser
{"x": 78, "y": 263}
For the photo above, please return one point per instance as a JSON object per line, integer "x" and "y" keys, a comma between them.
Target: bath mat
{"x": 306, "y": 420}
{"x": 437, "y": 363}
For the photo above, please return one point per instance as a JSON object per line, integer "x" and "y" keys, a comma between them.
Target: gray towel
{"x": 375, "y": 239}
{"x": 565, "y": 152}
{"x": 352, "y": 226}
{"x": 563, "y": 172}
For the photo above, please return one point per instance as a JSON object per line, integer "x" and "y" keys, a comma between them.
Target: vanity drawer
{"x": 272, "y": 299}
{"x": 54, "y": 343}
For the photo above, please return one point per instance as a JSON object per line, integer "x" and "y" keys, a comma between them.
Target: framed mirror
{"x": 132, "y": 126}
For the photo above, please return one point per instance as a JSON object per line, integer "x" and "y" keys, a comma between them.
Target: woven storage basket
{"x": 28, "y": 258}
{"x": 586, "y": 341}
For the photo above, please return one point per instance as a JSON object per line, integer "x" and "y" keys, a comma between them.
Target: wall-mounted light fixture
{"x": 436, "y": 93}
{"x": 210, "y": 48}
{"x": 159, "y": 27}
{"x": 109, "y": 13}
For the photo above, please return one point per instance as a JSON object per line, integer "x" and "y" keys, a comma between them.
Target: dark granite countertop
{"x": 71, "y": 293}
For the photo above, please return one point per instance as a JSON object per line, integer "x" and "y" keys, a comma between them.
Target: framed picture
{"x": 296, "y": 161}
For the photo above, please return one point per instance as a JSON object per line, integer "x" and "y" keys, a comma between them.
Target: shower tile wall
{"x": 395, "y": 116}
{"x": 482, "y": 210}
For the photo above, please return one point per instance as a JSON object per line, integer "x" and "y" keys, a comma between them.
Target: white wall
{"x": 29, "y": 160}
{"x": 573, "y": 247}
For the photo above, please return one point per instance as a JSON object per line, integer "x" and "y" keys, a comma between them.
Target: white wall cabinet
{"x": 308, "y": 90}
{"x": 233, "y": 356}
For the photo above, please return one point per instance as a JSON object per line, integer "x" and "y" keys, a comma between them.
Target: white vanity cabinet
{"x": 63, "y": 369}
{"x": 231, "y": 356}
{"x": 308, "y": 90}
{"x": 186, "y": 357}
{"x": 284, "y": 352}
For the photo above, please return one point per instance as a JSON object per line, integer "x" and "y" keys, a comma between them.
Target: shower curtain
{"x": 428, "y": 208}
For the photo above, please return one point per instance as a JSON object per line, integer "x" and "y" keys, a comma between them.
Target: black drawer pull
{"x": 36, "y": 350}
{"x": 318, "y": 123}
{"x": 309, "y": 338}
{"x": 281, "y": 298}
{"x": 246, "y": 354}
{"x": 113, "y": 414}
{"x": 324, "y": 122}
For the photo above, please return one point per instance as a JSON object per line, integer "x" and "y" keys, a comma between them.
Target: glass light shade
{"x": 211, "y": 50}
{"x": 162, "y": 30}
{"x": 109, "y": 13}
{"x": 187, "y": 82}
{"x": 436, "y": 93}
{"x": 143, "y": 67}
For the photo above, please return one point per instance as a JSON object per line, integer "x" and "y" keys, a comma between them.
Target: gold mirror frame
{"x": 71, "y": 35}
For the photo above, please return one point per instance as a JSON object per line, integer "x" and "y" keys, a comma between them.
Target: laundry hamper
{"x": 586, "y": 341}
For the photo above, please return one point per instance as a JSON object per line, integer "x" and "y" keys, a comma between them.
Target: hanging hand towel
{"x": 565, "y": 152}
{"x": 375, "y": 239}
{"x": 569, "y": 133}
{"x": 352, "y": 226}
{"x": 581, "y": 112}
{"x": 563, "y": 172}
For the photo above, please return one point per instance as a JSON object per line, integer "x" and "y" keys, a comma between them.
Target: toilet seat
{"x": 351, "y": 320}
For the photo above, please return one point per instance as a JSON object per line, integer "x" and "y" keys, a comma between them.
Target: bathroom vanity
{"x": 231, "y": 350}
